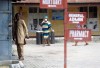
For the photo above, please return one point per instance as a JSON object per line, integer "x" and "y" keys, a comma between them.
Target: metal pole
{"x": 65, "y": 38}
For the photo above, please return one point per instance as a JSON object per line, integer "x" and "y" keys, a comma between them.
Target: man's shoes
{"x": 21, "y": 58}
{"x": 21, "y": 64}
{"x": 74, "y": 45}
{"x": 48, "y": 45}
{"x": 86, "y": 44}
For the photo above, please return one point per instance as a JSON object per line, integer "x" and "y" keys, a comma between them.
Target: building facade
{"x": 33, "y": 15}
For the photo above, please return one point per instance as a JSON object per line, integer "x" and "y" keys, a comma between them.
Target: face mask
{"x": 45, "y": 19}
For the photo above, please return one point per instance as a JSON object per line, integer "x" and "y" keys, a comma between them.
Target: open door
{"x": 5, "y": 30}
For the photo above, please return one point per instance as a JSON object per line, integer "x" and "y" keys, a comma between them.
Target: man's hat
{"x": 46, "y": 17}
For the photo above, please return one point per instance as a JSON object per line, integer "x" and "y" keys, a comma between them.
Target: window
{"x": 36, "y": 16}
{"x": 42, "y": 10}
{"x": 33, "y": 10}
{"x": 84, "y": 9}
{"x": 40, "y": 21}
{"x": 35, "y": 23}
{"x": 91, "y": 11}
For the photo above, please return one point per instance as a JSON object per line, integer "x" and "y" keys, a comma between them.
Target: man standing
{"x": 20, "y": 32}
{"x": 46, "y": 26}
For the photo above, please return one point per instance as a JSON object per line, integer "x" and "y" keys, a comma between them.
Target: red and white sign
{"x": 58, "y": 4}
{"x": 77, "y": 18}
{"x": 79, "y": 34}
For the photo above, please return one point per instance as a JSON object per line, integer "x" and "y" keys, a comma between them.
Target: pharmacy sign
{"x": 79, "y": 34}
{"x": 58, "y": 4}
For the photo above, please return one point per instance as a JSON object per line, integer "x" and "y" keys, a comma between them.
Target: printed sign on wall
{"x": 77, "y": 18}
{"x": 52, "y": 4}
{"x": 57, "y": 14}
{"x": 93, "y": 24}
{"x": 79, "y": 34}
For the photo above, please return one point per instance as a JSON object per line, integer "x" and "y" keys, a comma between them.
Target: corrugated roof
{"x": 29, "y": 1}
{"x": 69, "y": 1}
{"x": 83, "y": 1}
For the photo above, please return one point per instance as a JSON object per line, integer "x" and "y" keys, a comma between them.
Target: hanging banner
{"x": 77, "y": 18}
{"x": 58, "y": 4}
{"x": 79, "y": 34}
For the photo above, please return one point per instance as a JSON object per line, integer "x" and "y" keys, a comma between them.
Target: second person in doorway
{"x": 78, "y": 26}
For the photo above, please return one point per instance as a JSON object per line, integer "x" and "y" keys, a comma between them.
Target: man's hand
{"x": 27, "y": 36}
